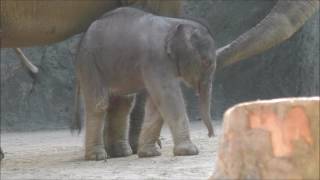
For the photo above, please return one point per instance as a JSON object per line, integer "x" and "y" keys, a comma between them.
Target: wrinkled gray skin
{"x": 142, "y": 51}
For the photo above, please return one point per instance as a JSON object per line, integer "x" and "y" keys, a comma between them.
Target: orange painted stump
{"x": 271, "y": 139}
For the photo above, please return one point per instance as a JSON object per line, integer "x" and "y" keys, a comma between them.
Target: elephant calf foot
{"x": 97, "y": 154}
{"x": 119, "y": 150}
{"x": 185, "y": 149}
{"x": 148, "y": 151}
{"x": 134, "y": 146}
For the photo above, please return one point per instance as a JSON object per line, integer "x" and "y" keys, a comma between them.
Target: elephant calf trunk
{"x": 205, "y": 105}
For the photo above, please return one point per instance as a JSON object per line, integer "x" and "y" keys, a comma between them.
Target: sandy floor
{"x": 59, "y": 155}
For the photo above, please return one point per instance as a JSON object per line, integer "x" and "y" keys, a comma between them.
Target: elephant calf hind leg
{"x": 94, "y": 148}
{"x": 117, "y": 127}
{"x": 150, "y": 131}
{"x": 1, "y": 154}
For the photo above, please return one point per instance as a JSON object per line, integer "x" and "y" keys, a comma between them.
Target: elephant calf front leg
{"x": 117, "y": 127}
{"x": 167, "y": 96}
{"x": 150, "y": 131}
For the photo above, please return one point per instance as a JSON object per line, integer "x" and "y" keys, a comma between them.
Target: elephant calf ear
{"x": 178, "y": 38}
{"x": 170, "y": 40}
{"x": 202, "y": 46}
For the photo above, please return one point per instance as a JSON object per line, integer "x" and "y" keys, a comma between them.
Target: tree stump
{"x": 270, "y": 139}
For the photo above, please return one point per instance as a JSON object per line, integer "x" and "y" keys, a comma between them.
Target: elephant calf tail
{"x": 1, "y": 154}
{"x": 77, "y": 120}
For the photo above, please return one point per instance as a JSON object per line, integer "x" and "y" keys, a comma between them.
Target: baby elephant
{"x": 128, "y": 50}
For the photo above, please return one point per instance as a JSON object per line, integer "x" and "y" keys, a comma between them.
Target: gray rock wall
{"x": 42, "y": 101}
{"x": 45, "y": 101}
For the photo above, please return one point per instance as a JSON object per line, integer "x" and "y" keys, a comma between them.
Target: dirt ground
{"x": 59, "y": 155}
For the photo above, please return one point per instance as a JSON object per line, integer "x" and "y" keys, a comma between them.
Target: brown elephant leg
{"x": 150, "y": 131}
{"x": 117, "y": 127}
{"x": 136, "y": 120}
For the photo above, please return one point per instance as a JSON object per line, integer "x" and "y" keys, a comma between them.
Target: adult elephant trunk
{"x": 285, "y": 18}
{"x": 205, "y": 102}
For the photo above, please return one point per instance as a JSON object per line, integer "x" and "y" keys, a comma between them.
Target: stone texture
{"x": 41, "y": 101}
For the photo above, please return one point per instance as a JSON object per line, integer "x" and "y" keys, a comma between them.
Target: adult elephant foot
{"x": 185, "y": 149}
{"x": 148, "y": 151}
{"x": 119, "y": 150}
{"x": 97, "y": 154}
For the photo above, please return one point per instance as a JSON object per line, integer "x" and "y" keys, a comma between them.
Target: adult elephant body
{"x": 34, "y": 22}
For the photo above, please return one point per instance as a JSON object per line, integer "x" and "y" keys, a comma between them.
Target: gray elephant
{"x": 142, "y": 51}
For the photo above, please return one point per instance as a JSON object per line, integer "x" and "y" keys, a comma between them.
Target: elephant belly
{"x": 125, "y": 89}
{"x": 125, "y": 81}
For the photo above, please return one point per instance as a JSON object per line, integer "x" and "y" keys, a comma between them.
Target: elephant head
{"x": 284, "y": 19}
{"x": 192, "y": 49}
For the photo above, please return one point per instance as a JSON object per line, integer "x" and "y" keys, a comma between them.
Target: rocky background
{"x": 45, "y": 101}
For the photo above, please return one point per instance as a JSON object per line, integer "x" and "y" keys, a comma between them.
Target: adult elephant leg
{"x": 117, "y": 127}
{"x": 150, "y": 131}
{"x": 136, "y": 120}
